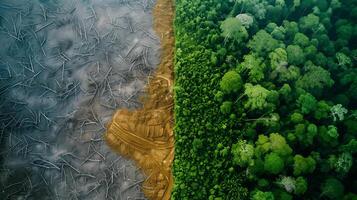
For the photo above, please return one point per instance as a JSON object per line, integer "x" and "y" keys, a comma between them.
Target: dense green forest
{"x": 265, "y": 99}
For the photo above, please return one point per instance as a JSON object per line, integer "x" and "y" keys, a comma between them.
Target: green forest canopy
{"x": 265, "y": 99}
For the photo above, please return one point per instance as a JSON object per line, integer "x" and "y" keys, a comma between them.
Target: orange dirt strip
{"x": 146, "y": 135}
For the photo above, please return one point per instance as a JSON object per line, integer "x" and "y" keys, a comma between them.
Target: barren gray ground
{"x": 65, "y": 67}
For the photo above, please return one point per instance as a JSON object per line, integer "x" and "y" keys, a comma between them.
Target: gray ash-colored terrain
{"x": 65, "y": 67}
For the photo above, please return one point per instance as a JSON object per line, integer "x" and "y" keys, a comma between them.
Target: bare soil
{"x": 146, "y": 134}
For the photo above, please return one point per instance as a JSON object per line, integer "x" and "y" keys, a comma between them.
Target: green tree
{"x": 260, "y": 195}
{"x": 301, "y": 40}
{"x": 285, "y": 91}
{"x": 343, "y": 60}
{"x": 289, "y": 74}
{"x": 296, "y": 117}
{"x": 263, "y": 43}
{"x": 273, "y": 163}
{"x": 306, "y": 135}
{"x": 291, "y": 28}
{"x": 231, "y": 82}
{"x": 322, "y": 111}
{"x": 254, "y": 66}
{"x": 315, "y": 77}
{"x": 301, "y": 185}
{"x": 262, "y": 145}
{"x": 242, "y": 153}
{"x": 309, "y": 23}
{"x": 257, "y": 97}
{"x": 350, "y": 147}
{"x": 226, "y": 107}
{"x": 254, "y": 7}
{"x": 303, "y": 165}
{"x": 307, "y": 103}
{"x": 278, "y": 59}
{"x": 310, "y": 52}
{"x": 232, "y": 28}
{"x": 328, "y": 135}
{"x": 344, "y": 163}
{"x": 344, "y": 30}
{"x": 279, "y": 145}
{"x": 332, "y": 189}
{"x": 332, "y": 132}
{"x": 295, "y": 55}
{"x": 335, "y": 4}
{"x": 279, "y": 33}
{"x": 219, "y": 96}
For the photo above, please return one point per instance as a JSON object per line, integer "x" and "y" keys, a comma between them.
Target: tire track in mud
{"x": 146, "y": 135}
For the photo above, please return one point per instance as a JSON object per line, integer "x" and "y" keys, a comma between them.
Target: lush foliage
{"x": 265, "y": 99}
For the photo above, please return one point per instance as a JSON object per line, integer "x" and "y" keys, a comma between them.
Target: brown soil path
{"x": 146, "y": 135}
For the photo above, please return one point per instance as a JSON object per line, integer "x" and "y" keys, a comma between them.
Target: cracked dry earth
{"x": 65, "y": 67}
